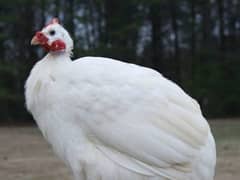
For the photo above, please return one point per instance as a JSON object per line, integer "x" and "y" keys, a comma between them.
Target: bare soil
{"x": 25, "y": 155}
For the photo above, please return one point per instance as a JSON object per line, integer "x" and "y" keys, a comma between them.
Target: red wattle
{"x": 57, "y": 45}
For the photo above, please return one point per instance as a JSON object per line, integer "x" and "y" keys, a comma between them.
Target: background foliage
{"x": 194, "y": 43}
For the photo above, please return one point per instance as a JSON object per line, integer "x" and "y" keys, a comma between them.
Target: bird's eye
{"x": 52, "y": 32}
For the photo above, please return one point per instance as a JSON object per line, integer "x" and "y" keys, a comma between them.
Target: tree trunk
{"x": 110, "y": 8}
{"x": 232, "y": 21}
{"x": 57, "y": 8}
{"x": 193, "y": 40}
{"x": 206, "y": 25}
{"x": 156, "y": 43}
{"x": 92, "y": 21}
{"x": 173, "y": 9}
{"x": 193, "y": 25}
{"x": 220, "y": 6}
{"x": 43, "y": 10}
{"x": 69, "y": 17}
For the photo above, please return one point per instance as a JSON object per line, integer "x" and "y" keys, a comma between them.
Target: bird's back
{"x": 137, "y": 104}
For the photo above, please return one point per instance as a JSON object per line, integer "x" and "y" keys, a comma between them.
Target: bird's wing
{"x": 139, "y": 119}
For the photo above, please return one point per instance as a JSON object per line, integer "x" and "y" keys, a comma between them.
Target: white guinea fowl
{"x": 111, "y": 120}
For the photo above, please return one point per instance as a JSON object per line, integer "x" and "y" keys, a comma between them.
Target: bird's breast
{"x": 38, "y": 92}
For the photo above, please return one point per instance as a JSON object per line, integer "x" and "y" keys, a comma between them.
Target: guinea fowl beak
{"x": 39, "y": 38}
{"x": 35, "y": 41}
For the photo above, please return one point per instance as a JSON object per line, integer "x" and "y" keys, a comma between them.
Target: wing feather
{"x": 145, "y": 123}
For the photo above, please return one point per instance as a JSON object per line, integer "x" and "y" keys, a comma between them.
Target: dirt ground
{"x": 24, "y": 154}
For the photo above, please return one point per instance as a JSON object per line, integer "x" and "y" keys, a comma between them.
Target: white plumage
{"x": 111, "y": 120}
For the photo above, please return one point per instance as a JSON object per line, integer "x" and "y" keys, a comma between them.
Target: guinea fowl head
{"x": 53, "y": 38}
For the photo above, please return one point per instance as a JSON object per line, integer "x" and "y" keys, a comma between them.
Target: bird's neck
{"x": 57, "y": 58}
{"x": 58, "y": 55}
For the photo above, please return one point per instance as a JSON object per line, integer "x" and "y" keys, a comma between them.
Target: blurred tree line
{"x": 194, "y": 43}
